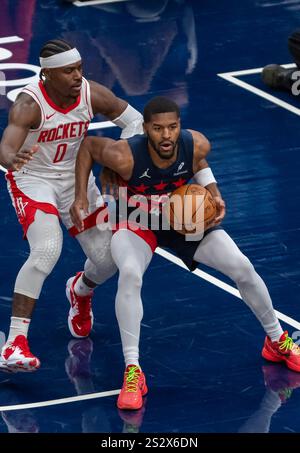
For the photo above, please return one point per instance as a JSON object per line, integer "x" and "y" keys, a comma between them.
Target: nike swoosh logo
{"x": 49, "y": 116}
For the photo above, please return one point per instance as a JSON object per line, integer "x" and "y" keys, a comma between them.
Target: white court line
{"x": 71, "y": 399}
{"x": 231, "y": 77}
{"x": 215, "y": 281}
{"x": 205, "y": 276}
{"x": 97, "y": 2}
{"x": 9, "y": 39}
{"x": 101, "y": 125}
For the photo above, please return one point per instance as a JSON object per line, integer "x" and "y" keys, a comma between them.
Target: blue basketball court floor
{"x": 200, "y": 344}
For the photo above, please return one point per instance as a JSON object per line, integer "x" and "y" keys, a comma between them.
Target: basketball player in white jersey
{"x": 47, "y": 123}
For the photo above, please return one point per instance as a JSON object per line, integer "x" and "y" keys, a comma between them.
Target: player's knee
{"x": 45, "y": 255}
{"x": 101, "y": 257}
{"x": 242, "y": 269}
{"x": 130, "y": 276}
{"x": 96, "y": 247}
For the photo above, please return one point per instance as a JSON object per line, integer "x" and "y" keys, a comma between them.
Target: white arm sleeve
{"x": 131, "y": 121}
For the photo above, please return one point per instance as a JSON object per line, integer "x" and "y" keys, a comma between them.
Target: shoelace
{"x": 289, "y": 345}
{"x": 132, "y": 379}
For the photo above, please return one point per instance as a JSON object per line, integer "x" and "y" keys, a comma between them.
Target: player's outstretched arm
{"x": 89, "y": 152}
{"x": 107, "y": 152}
{"x": 117, "y": 110}
{"x": 23, "y": 115}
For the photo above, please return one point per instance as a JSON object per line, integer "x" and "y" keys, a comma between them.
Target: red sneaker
{"x": 134, "y": 388}
{"x": 80, "y": 319}
{"x": 284, "y": 350}
{"x": 16, "y": 356}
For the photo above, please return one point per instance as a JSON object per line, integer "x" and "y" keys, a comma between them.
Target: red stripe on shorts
{"x": 26, "y": 207}
{"x": 91, "y": 220}
{"x": 147, "y": 235}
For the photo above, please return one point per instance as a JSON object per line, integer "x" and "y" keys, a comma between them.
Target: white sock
{"x": 81, "y": 288}
{"x": 18, "y": 326}
{"x": 274, "y": 331}
{"x": 132, "y": 361}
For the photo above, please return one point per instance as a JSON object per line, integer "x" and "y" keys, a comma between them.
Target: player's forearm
{"x": 205, "y": 178}
{"x": 214, "y": 190}
{"x": 83, "y": 167}
{"x": 7, "y": 155}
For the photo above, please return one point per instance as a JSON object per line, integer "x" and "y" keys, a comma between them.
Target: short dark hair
{"x": 54, "y": 47}
{"x": 159, "y": 104}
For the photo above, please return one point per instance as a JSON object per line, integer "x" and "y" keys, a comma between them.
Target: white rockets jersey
{"x": 60, "y": 132}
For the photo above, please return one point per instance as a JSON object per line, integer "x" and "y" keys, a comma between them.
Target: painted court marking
{"x": 97, "y": 2}
{"x": 232, "y": 77}
{"x": 72, "y": 399}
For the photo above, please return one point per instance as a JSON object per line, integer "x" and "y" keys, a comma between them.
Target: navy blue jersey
{"x": 149, "y": 186}
{"x": 147, "y": 179}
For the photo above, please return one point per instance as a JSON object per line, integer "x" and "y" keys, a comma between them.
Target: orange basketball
{"x": 190, "y": 209}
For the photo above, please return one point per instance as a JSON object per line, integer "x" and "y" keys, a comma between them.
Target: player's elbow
{"x": 206, "y": 148}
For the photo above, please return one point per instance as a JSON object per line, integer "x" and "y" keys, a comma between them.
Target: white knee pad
{"x": 45, "y": 239}
{"x": 45, "y": 254}
{"x": 96, "y": 246}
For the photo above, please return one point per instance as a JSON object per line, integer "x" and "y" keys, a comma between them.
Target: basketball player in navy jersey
{"x": 47, "y": 123}
{"x": 155, "y": 164}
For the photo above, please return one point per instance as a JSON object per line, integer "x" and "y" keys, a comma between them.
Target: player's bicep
{"x": 202, "y": 148}
{"x": 118, "y": 157}
{"x": 22, "y": 117}
{"x": 104, "y": 101}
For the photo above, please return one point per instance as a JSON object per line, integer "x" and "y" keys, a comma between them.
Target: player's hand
{"x": 221, "y": 210}
{"x": 22, "y": 157}
{"x": 78, "y": 211}
{"x": 109, "y": 182}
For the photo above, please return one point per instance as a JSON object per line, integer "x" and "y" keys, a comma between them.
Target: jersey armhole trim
{"x": 87, "y": 95}
{"x": 36, "y": 99}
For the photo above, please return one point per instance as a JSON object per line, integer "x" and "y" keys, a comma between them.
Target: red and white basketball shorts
{"x": 53, "y": 195}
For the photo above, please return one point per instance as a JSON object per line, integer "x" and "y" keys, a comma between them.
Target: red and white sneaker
{"x": 81, "y": 318}
{"x": 133, "y": 390}
{"x": 283, "y": 350}
{"x": 16, "y": 356}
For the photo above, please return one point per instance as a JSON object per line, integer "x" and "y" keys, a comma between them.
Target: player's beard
{"x": 157, "y": 150}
